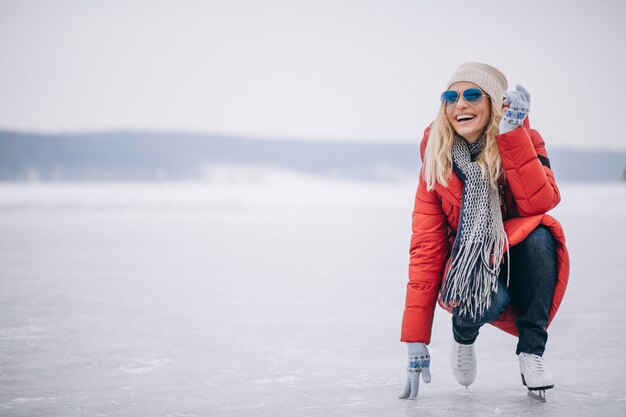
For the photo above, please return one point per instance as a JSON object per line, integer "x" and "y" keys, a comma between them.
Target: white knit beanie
{"x": 490, "y": 79}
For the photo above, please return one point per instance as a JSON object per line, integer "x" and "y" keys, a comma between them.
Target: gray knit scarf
{"x": 480, "y": 240}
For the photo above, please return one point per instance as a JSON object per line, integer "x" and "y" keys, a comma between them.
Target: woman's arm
{"x": 429, "y": 250}
{"x": 527, "y": 169}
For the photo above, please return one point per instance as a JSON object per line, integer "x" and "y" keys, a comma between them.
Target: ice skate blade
{"x": 538, "y": 395}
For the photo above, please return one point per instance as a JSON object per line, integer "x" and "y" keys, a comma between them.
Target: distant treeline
{"x": 180, "y": 156}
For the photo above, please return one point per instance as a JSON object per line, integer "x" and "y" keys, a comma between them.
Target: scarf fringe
{"x": 473, "y": 275}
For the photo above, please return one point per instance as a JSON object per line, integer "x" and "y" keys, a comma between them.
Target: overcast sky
{"x": 319, "y": 69}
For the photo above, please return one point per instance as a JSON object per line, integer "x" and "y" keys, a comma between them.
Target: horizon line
{"x": 278, "y": 138}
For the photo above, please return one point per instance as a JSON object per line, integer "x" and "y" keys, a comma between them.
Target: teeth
{"x": 462, "y": 117}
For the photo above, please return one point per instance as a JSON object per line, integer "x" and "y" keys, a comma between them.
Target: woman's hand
{"x": 419, "y": 363}
{"x": 516, "y": 105}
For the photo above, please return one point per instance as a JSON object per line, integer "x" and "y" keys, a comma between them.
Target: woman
{"x": 482, "y": 244}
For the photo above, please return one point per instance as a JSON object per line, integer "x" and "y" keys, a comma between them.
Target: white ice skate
{"x": 463, "y": 362}
{"x": 535, "y": 375}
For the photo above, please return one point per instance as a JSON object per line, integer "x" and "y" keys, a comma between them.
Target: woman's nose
{"x": 461, "y": 103}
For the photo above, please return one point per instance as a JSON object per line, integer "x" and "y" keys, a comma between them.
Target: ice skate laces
{"x": 534, "y": 364}
{"x": 464, "y": 357}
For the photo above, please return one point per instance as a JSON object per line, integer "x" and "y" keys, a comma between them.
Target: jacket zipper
{"x": 502, "y": 201}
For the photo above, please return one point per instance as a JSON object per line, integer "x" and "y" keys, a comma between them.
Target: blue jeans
{"x": 533, "y": 269}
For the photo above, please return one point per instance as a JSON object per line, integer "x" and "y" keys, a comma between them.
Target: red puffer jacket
{"x": 529, "y": 192}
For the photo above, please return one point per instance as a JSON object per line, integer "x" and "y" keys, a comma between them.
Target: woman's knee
{"x": 499, "y": 302}
{"x": 540, "y": 237}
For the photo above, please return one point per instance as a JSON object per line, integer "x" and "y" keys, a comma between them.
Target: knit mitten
{"x": 419, "y": 363}
{"x": 519, "y": 106}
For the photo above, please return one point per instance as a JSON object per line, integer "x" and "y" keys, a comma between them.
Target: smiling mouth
{"x": 464, "y": 118}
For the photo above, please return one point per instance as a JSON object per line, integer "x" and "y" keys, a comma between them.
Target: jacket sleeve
{"x": 429, "y": 250}
{"x": 527, "y": 169}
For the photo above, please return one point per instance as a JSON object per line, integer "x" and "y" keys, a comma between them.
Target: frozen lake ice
{"x": 270, "y": 296}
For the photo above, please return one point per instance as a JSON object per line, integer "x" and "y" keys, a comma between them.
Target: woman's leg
{"x": 533, "y": 268}
{"x": 465, "y": 329}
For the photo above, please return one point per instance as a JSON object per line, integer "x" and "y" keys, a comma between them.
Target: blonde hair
{"x": 437, "y": 165}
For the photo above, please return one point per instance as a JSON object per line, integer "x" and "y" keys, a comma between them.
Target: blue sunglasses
{"x": 471, "y": 95}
